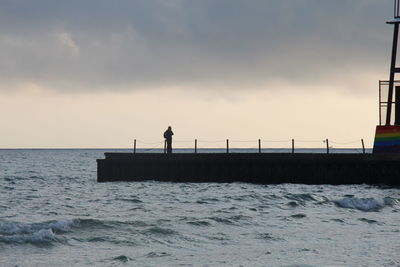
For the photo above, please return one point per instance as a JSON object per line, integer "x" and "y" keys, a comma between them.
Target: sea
{"x": 54, "y": 213}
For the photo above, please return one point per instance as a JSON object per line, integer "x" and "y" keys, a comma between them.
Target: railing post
{"x": 363, "y": 147}
{"x": 327, "y": 146}
{"x": 292, "y": 146}
{"x": 259, "y": 145}
{"x": 227, "y": 146}
{"x": 134, "y": 146}
{"x": 195, "y": 146}
{"x": 380, "y": 103}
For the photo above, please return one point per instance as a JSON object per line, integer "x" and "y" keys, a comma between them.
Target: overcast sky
{"x": 216, "y": 50}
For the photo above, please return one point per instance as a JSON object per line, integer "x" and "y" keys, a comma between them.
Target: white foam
{"x": 391, "y": 202}
{"x": 364, "y": 204}
{"x": 64, "y": 226}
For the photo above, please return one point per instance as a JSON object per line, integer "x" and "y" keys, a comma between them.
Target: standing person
{"x": 168, "y": 138}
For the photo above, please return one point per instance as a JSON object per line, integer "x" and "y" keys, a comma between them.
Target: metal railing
{"x": 254, "y": 145}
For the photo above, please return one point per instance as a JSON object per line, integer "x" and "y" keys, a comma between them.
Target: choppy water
{"x": 53, "y": 213}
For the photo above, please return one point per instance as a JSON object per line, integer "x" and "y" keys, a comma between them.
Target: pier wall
{"x": 257, "y": 168}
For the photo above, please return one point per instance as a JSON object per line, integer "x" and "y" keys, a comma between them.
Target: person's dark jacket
{"x": 168, "y": 135}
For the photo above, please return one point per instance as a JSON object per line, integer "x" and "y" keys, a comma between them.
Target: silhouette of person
{"x": 168, "y": 138}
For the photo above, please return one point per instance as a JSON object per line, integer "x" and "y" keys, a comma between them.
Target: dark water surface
{"x": 54, "y": 213}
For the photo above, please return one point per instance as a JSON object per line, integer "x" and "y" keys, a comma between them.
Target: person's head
{"x": 169, "y": 128}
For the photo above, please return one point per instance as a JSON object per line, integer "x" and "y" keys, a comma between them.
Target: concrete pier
{"x": 260, "y": 168}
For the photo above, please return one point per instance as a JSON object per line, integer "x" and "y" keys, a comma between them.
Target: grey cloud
{"x": 89, "y": 44}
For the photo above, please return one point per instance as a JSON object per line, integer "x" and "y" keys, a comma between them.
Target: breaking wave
{"x": 34, "y": 233}
{"x": 365, "y": 204}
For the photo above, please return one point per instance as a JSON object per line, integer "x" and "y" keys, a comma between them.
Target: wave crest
{"x": 41, "y": 237}
{"x": 34, "y": 233}
{"x": 363, "y": 204}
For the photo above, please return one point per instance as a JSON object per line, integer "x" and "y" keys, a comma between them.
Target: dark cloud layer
{"x": 89, "y": 44}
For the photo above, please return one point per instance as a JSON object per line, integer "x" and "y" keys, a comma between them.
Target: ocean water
{"x": 54, "y": 213}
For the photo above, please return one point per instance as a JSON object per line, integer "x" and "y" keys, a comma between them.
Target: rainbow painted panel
{"x": 387, "y": 139}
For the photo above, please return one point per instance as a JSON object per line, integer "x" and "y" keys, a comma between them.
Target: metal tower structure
{"x": 394, "y": 69}
{"x": 387, "y": 137}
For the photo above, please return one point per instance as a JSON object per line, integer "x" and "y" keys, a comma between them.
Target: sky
{"x": 100, "y": 73}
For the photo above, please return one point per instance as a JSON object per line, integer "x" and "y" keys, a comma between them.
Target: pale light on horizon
{"x": 113, "y": 120}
